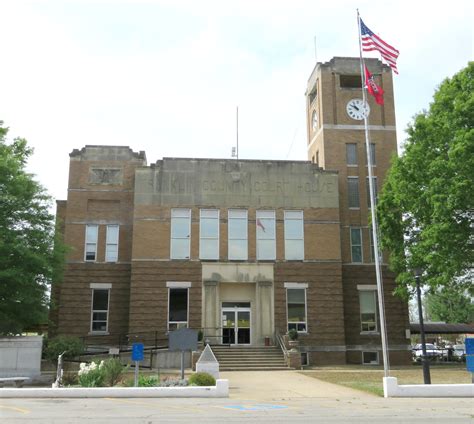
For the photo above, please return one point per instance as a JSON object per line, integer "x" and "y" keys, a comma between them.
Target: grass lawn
{"x": 370, "y": 379}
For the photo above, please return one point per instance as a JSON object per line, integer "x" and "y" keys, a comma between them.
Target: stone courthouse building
{"x": 242, "y": 249}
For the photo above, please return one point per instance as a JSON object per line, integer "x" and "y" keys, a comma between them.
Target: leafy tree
{"x": 450, "y": 304}
{"x": 426, "y": 209}
{"x": 28, "y": 257}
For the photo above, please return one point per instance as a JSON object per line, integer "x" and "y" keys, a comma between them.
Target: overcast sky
{"x": 166, "y": 76}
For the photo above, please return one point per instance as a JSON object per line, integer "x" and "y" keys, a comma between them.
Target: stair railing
{"x": 280, "y": 341}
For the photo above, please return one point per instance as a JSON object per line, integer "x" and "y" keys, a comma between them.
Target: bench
{"x": 15, "y": 381}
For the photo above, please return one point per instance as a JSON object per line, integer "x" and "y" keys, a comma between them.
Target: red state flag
{"x": 373, "y": 88}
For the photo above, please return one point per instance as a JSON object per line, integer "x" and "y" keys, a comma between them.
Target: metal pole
{"x": 237, "y": 125}
{"x": 424, "y": 359}
{"x": 378, "y": 269}
{"x": 136, "y": 374}
{"x": 182, "y": 365}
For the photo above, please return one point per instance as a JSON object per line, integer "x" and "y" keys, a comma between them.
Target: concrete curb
{"x": 220, "y": 390}
{"x": 392, "y": 389}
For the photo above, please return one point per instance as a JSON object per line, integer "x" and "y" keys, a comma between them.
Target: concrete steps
{"x": 249, "y": 358}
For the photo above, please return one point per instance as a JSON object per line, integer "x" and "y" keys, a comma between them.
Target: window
{"x": 374, "y": 181}
{"x": 353, "y": 191}
{"x": 177, "y": 308}
{"x": 100, "y": 310}
{"x": 238, "y": 245}
{"x": 180, "y": 233}
{"x": 266, "y": 244}
{"x": 209, "y": 234}
{"x": 91, "y": 242}
{"x": 350, "y": 81}
{"x": 368, "y": 308}
{"x": 111, "y": 247}
{"x": 304, "y": 358}
{"x": 370, "y": 358}
{"x": 294, "y": 235}
{"x": 372, "y": 154}
{"x": 356, "y": 245}
{"x": 296, "y": 302}
{"x": 351, "y": 153}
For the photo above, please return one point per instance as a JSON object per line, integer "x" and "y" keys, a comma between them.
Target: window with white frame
{"x": 294, "y": 235}
{"x": 177, "y": 308}
{"x": 296, "y": 307}
{"x": 372, "y": 154}
{"x": 209, "y": 234}
{"x": 351, "y": 154}
{"x": 266, "y": 240}
{"x": 372, "y": 251}
{"x": 370, "y": 358}
{"x": 180, "y": 233}
{"x": 353, "y": 192}
{"x": 90, "y": 253}
{"x": 111, "y": 246}
{"x": 238, "y": 234}
{"x": 100, "y": 310}
{"x": 356, "y": 245}
{"x": 368, "y": 310}
{"x": 374, "y": 184}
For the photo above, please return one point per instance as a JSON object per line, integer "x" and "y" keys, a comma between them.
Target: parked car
{"x": 432, "y": 352}
{"x": 459, "y": 352}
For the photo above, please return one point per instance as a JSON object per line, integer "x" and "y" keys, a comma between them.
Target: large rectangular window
{"x": 100, "y": 310}
{"x": 374, "y": 181}
{"x": 296, "y": 308}
{"x": 353, "y": 192}
{"x": 368, "y": 310}
{"x": 111, "y": 247}
{"x": 351, "y": 153}
{"x": 177, "y": 308}
{"x": 372, "y": 154}
{"x": 371, "y": 241}
{"x": 266, "y": 240}
{"x": 91, "y": 243}
{"x": 209, "y": 234}
{"x": 294, "y": 235}
{"x": 180, "y": 233}
{"x": 238, "y": 234}
{"x": 356, "y": 245}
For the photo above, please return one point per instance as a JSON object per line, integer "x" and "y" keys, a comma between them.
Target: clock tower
{"x": 336, "y": 141}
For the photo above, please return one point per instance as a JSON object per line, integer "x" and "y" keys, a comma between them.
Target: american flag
{"x": 371, "y": 42}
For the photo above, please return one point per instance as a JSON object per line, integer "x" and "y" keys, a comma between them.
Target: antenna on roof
{"x": 235, "y": 150}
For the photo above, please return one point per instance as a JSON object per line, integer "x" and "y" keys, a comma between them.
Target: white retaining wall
{"x": 392, "y": 389}
{"x": 221, "y": 389}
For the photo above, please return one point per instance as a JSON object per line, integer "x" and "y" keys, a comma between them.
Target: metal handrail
{"x": 280, "y": 341}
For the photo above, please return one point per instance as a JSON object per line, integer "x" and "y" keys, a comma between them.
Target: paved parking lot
{"x": 279, "y": 396}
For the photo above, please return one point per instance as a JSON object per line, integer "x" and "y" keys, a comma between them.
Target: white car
{"x": 432, "y": 352}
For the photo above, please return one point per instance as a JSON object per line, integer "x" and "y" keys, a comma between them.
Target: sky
{"x": 166, "y": 77}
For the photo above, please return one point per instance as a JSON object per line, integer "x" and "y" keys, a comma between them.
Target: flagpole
{"x": 378, "y": 270}
{"x": 237, "y": 130}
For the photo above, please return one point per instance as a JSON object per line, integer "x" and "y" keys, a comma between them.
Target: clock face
{"x": 357, "y": 109}
{"x": 314, "y": 120}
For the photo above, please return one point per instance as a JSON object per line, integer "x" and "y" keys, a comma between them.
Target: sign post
{"x": 137, "y": 355}
{"x": 469, "y": 343}
{"x": 182, "y": 339}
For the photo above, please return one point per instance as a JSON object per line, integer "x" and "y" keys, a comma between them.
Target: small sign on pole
{"x": 137, "y": 355}
{"x": 469, "y": 343}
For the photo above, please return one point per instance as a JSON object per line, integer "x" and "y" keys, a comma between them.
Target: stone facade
{"x": 130, "y": 276}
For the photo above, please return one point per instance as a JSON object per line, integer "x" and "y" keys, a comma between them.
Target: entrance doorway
{"x": 236, "y": 323}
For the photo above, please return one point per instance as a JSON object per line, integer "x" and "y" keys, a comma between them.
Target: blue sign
{"x": 138, "y": 351}
{"x": 469, "y": 346}
{"x": 470, "y": 363}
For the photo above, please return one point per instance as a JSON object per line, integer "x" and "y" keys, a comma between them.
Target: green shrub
{"x": 293, "y": 334}
{"x": 143, "y": 381}
{"x": 202, "y": 379}
{"x": 72, "y": 346}
{"x": 92, "y": 375}
{"x": 113, "y": 370}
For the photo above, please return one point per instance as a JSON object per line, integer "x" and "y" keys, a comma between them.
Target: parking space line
{"x": 148, "y": 404}
{"x": 13, "y": 408}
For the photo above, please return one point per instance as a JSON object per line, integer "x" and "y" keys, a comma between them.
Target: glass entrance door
{"x": 236, "y": 324}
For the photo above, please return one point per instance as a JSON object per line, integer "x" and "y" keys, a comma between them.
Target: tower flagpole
{"x": 378, "y": 269}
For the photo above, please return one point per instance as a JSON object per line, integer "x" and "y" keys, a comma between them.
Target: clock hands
{"x": 355, "y": 107}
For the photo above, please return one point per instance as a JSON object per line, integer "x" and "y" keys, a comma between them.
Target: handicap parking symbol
{"x": 256, "y": 407}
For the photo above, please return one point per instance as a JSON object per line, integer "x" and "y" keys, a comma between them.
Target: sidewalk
{"x": 284, "y": 385}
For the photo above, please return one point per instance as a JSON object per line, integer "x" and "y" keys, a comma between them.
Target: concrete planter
{"x": 20, "y": 356}
{"x": 221, "y": 389}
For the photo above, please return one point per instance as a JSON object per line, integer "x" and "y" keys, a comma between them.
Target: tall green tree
{"x": 426, "y": 209}
{"x": 28, "y": 257}
{"x": 451, "y": 304}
